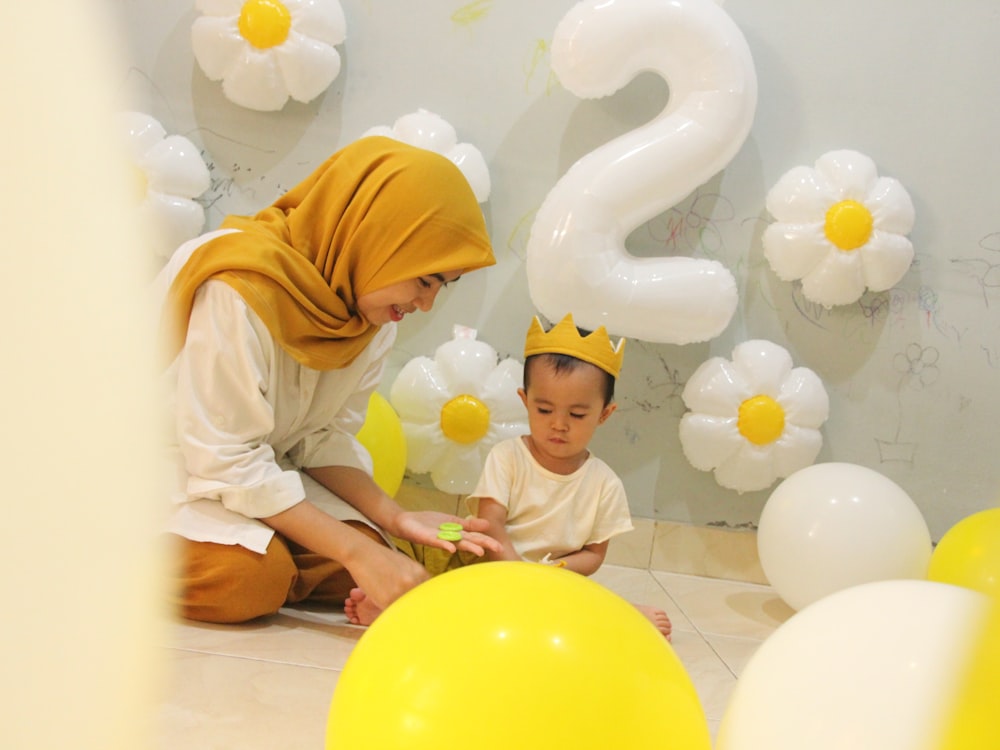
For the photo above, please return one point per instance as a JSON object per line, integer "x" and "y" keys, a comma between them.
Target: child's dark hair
{"x": 566, "y": 363}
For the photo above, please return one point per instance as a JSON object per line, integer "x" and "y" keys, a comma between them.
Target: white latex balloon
{"x": 872, "y": 667}
{"x": 576, "y": 257}
{"x": 430, "y": 131}
{"x": 457, "y": 406}
{"x": 832, "y": 526}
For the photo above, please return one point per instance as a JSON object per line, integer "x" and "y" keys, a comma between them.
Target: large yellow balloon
{"x": 514, "y": 655}
{"x": 382, "y": 435}
{"x": 969, "y": 554}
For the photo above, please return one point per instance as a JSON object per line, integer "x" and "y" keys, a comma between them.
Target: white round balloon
{"x": 831, "y": 526}
{"x": 872, "y": 667}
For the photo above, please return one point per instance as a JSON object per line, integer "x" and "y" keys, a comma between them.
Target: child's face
{"x": 564, "y": 410}
{"x": 389, "y": 304}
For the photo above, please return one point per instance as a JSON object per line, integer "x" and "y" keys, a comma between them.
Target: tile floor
{"x": 267, "y": 685}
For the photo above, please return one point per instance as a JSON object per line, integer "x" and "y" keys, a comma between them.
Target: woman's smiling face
{"x": 390, "y": 304}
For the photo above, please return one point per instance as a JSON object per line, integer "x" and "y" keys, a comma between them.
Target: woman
{"x": 277, "y": 327}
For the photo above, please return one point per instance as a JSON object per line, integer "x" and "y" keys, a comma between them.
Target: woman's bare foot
{"x": 658, "y": 617}
{"x": 361, "y": 610}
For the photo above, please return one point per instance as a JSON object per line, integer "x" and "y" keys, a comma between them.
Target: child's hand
{"x": 422, "y": 527}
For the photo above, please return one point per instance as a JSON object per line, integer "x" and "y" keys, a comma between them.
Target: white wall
{"x": 910, "y": 83}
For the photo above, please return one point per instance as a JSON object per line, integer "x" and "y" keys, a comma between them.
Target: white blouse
{"x": 247, "y": 417}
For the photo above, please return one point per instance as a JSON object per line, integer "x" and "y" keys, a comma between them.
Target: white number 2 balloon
{"x": 576, "y": 257}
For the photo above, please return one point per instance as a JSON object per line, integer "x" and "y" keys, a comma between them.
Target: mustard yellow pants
{"x": 227, "y": 583}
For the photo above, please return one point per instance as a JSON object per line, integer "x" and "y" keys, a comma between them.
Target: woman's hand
{"x": 385, "y": 574}
{"x": 422, "y": 527}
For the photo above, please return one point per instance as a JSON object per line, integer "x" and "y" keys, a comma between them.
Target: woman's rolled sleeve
{"x": 333, "y": 447}
{"x": 274, "y": 495}
{"x": 223, "y": 416}
{"x": 337, "y": 444}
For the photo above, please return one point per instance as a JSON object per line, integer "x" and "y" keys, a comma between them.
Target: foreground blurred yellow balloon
{"x": 514, "y": 655}
{"x": 969, "y": 554}
{"x": 382, "y": 435}
{"x": 973, "y": 723}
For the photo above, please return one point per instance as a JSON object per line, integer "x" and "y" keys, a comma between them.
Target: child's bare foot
{"x": 360, "y": 610}
{"x": 658, "y": 617}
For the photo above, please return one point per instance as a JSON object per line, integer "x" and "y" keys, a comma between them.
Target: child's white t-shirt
{"x": 549, "y": 513}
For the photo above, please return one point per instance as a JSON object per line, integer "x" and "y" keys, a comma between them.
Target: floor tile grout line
{"x": 721, "y": 658}
{"x": 704, "y": 635}
{"x": 255, "y": 659}
{"x": 652, "y": 546}
{"x": 705, "y": 639}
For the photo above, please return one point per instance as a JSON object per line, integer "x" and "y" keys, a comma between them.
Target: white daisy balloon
{"x": 753, "y": 419}
{"x": 265, "y": 51}
{"x": 457, "y": 406}
{"x": 840, "y": 228}
{"x": 169, "y": 174}
{"x": 430, "y": 131}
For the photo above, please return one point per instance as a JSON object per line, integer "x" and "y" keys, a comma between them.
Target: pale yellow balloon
{"x": 878, "y": 666}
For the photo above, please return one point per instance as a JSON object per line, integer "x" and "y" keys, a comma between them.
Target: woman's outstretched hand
{"x": 422, "y": 527}
{"x": 383, "y": 575}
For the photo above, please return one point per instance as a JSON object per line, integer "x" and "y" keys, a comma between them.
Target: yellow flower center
{"x": 848, "y": 225}
{"x": 140, "y": 184}
{"x": 761, "y": 420}
{"x": 465, "y": 419}
{"x": 265, "y": 23}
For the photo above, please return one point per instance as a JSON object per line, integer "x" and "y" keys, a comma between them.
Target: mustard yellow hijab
{"x": 375, "y": 213}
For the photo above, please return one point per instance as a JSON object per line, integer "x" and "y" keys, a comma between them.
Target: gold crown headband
{"x": 564, "y": 338}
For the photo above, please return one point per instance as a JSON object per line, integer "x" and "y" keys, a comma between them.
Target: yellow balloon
{"x": 974, "y": 725}
{"x": 969, "y": 554}
{"x": 382, "y": 435}
{"x": 514, "y": 655}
